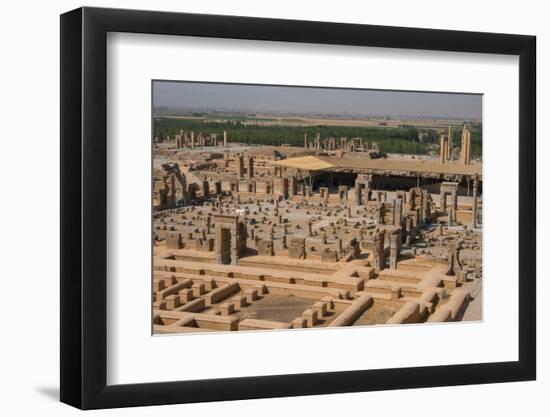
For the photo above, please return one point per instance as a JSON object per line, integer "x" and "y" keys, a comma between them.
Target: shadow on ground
{"x": 50, "y": 392}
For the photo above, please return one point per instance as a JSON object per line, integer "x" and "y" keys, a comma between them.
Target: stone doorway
{"x": 225, "y": 246}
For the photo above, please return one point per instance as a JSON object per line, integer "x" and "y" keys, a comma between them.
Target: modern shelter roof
{"x": 307, "y": 163}
{"x": 414, "y": 166}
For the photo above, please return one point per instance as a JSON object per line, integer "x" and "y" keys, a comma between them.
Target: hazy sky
{"x": 260, "y": 98}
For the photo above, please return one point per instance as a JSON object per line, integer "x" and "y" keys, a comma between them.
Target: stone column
{"x": 442, "y": 149}
{"x": 171, "y": 201}
{"x": 411, "y": 232}
{"x": 468, "y": 147}
{"x": 454, "y": 206}
{"x": 225, "y": 138}
{"x": 358, "y": 193}
{"x": 284, "y": 184}
{"x": 449, "y": 143}
{"x": 412, "y": 199}
{"x": 442, "y": 200}
{"x": 343, "y": 193}
{"x": 474, "y": 203}
{"x": 305, "y": 140}
{"x": 192, "y": 140}
{"x": 397, "y": 212}
{"x": 250, "y": 167}
{"x": 292, "y": 186}
{"x": 218, "y": 187}
{"x": 379, "y": 253}
{"x": 240, "y": 166}
{"x": 395, "y": 246}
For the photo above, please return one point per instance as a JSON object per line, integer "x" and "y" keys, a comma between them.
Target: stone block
{"x": 251, "y": 295}
{"x": 158, "y": 285}
{"x": 310, "y": 316}
{"x": 299, "y": 323}
{"x": 186, "y": 295}
{"x": 198, "y": 289}
{"x": 320, "y": 308}
{"x": 239, "y": 301}
{"x": 172, "y": 301}
{"x": 226, "y": 309}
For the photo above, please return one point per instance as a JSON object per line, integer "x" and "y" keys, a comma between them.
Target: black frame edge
{"x": 83, "y": 208}
{"x": 528, "y": 206}
{"x": 70, "y": 205}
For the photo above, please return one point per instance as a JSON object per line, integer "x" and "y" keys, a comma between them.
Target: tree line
{"x": 402, "y": 139}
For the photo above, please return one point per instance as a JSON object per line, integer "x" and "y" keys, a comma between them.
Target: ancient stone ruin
{"x": 264, "y": 237}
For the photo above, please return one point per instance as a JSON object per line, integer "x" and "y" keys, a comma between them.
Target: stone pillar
{"x": 225, "y": 138}
{"x": 305, "y": 140}
{"x": 474, "y": 203}
{"x": 442, "y": 148}
{"x": 292, "y": 186}
{"x": 468, "y": 147}
{"x": 172, "y": 197}
{"x": 449, "y": 143}
{"x": 397, "y": 212}
{"x": 412, "y": 199}
{"x": 465, "y": 154}
{"x": 442, "y": 200}
{"x": 453, "y": 258}
{"x": 358, "y": 193}
{"x": 395, "y": 247}
{"x": 343, "y": 193}
{"x": 425, "y": 207}
{"x": 284, "y": 185}
{"x": 218, "y": 187}
{"x": 411, "y": 232}
{"x": 240, "y": 166}
{"x": 192, "y": 140}
{"x": 323, "y": 194}
{"x": 250, "y": 167}
{"x": 379, "y": 253}
{"x": 454, "y": 207}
